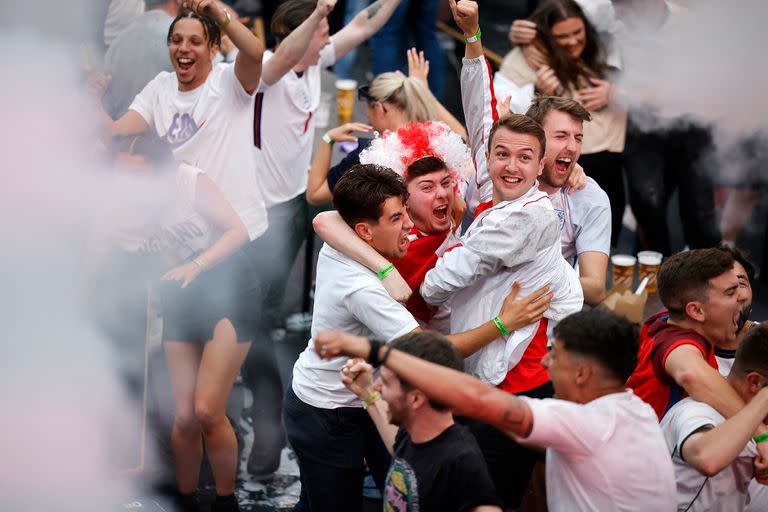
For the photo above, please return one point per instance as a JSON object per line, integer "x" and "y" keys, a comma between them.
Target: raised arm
{"x": 418, "y": 68}
{"x": 464, "y": 394}
{"x": 710, "y": 451}
{"x": 357, "y": 376}
{"x": 366, "y": 23}
{"x": 248, "y": 61}
{"x": 477, "y": 97}
{"x": 332, "y": 229}
{"x": 290, "y": 51}
{"x": 318, "y": 191}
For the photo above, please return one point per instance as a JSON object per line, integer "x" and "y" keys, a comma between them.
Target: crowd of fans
{"x": 458, "y": 351}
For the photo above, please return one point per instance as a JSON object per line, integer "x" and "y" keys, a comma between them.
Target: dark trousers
{"x": 509, "y": 463}
{"x": 274, "y": 253}
{"x": 656, "y": 164}
{"x": 606, "y": 169}
{"x": 331, "y": 446}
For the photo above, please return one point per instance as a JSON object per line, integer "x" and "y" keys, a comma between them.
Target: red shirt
{"x": 419, "y": 260}
{"x": 650, "y": 380}
{"x": 528, "y": 373}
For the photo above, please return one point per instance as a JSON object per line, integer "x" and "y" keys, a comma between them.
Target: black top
{"x": 353, "y": 158}
{"x": 445, "y": 474}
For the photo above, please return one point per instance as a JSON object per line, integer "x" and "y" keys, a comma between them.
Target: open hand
{"x": 535, "y": 55}
{"x": 186, "y": 273}
{"x": 418, "y": 66}
{"x": 517, "y": 313}
{"x": 344, "y": 132}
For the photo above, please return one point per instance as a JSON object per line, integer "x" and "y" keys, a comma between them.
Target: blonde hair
{"x": 406, "y": 93}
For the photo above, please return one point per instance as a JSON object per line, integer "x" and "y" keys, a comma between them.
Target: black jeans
{"x": 658, "y": 162}
{"x": 274, "y": 253}
{"x": 509, "y": 463}
{"x": 606, "y": 169}
{"x": 331, "y": 446}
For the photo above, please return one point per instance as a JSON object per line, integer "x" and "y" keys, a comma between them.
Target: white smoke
{"x": 707, "y": 64}
{"x": 65, "y": 415}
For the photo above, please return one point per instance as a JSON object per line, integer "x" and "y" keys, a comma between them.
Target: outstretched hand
{"x": 517, "y": 313}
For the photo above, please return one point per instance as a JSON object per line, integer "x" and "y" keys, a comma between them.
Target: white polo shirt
{"x": 724, "y": 492}
{"x": 349, "y": 298}
{"x": 607, "y": 455}
{"x": 284, "y": 127}
{"x": 209, "y": 127}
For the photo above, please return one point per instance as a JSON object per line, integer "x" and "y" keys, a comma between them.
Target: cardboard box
{"x": 623, "y": 301}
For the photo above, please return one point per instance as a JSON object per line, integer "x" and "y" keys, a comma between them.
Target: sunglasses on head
{"x": 364, "y": 94}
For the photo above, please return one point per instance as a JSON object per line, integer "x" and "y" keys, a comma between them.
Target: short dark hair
{"x": 752, "y": 354}
{"x": 360, "y": 194}
{"x": 154, "y": 149}
{"x": 542, "y": 105}
{"x": 684, "y": 277}
{"x": 433, "y": 347}
{"x": 741, "y": 257}
{"x": 289, "y": 15}
{"x": 210, "y": 28}
{"x": 422, "y": 166}
{"x": 518, "y": 123}
{"x": 609, "y": 339}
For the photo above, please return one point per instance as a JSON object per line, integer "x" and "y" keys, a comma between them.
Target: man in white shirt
{"x": 328, "y": 429}
{"x": 713, "y": 457}
{"x": 585, "y": 214}
{"x": 605, "y": 450}
{"x": 282, "y": 134}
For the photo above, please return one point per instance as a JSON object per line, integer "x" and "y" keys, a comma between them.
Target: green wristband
{"x": 475, "y": 38}
{"x": 760, "y": 438}
{"x": 502, "y": 328}
{"x": 383, "y": 273}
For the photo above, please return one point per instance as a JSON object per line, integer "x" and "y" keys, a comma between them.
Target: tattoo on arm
{"x": 374, "y": 8}
{"x": 514, "y": 417}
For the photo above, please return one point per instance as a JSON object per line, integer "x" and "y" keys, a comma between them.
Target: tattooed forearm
{"x": 515, "y": 417}
{"x": 374, "y": 8}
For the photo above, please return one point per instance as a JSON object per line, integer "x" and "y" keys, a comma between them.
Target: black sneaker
{"x": 225, "y": 504}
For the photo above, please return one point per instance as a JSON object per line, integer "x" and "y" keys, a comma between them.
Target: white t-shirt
{"x": 585, "y": 220}
{"x": 724, "y": 492}
{"x": 607, "y": 455}
{"x": 284, "y": 127}
{"x": 349, "y": 298}
{"x": 210, "y": 127}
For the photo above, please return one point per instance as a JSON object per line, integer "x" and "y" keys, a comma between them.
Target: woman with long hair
{"x": 570, "y": 59}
